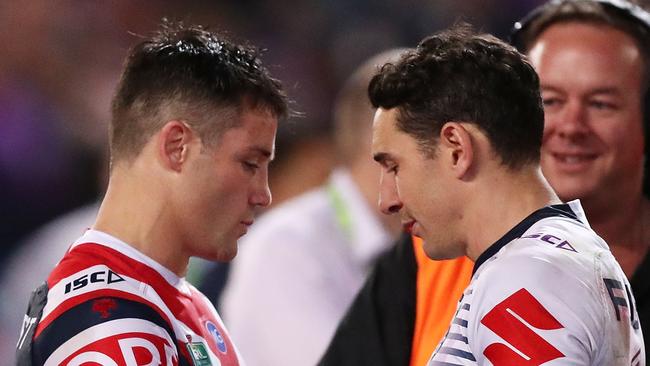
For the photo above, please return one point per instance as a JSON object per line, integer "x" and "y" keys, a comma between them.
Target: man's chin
{"x": 571, "y": 188}
{"x": 225, "y": 253}
{"x": 228, "y": 255}
{"x": 436, "y": 252}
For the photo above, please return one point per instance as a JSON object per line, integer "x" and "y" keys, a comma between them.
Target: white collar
{"x": 107, "y": 240}
{"x": 577, "y": 209}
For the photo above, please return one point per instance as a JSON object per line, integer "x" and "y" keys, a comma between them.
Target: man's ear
{"x": 457, "y": 145}
{"x": 173, "y": 144}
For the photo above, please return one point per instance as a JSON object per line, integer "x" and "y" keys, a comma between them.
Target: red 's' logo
{"x": 519, "y": 335}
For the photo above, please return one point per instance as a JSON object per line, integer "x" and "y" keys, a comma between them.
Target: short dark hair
{"x": 192, "y": 74}
{"x": 458, "y": 75}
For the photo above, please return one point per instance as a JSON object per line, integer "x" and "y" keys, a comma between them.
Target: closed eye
{"x": 250, "y": 166}
{"x": 551, "y": 102}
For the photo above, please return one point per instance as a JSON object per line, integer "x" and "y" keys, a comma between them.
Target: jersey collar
{"x": 571, "y": 210}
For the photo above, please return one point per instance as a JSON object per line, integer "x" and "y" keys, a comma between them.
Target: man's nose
{"x": 389, "y": 200}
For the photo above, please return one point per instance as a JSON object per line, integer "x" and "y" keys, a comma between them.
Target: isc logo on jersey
{"x": 100, "y": 276}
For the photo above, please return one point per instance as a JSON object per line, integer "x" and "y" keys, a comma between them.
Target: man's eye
{"x": 250, "y": 165}
{"x": 601, "y": 105}
{"x": 550, "y": 102}
{"x": 393, "y": 169}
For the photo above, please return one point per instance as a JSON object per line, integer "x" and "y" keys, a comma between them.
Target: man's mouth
{"x": 408, "y": 226}
{"x": 574, "y": 158}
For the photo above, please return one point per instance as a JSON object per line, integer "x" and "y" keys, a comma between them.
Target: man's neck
{"x": 136, "y": 218}
{"x": 503, "y": 205}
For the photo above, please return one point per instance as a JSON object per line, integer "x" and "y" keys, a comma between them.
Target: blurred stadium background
{"x": 61, "y": 61}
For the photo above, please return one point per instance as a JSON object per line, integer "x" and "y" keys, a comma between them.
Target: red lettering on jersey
{"x": 518, "y": 334}
{"x": 125, "y": 349}
{"x": 104, "y": 307}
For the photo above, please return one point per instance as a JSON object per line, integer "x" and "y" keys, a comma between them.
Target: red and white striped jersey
{"x": 547, "y": 293}
{"x": 108, "y": 303}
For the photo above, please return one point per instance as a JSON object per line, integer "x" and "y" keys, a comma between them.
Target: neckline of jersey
{"x": 560, "y": 210}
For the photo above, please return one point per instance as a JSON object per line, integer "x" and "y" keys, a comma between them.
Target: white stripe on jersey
{"x": 56, "y": 296}
{"x": 106, "y": 330}
{"x": 100, "y": 238}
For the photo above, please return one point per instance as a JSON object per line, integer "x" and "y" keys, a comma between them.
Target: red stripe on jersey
{"x": 123, "y": 349}
{"x": 87, "y": 255}
{"x": 74, "y": 301}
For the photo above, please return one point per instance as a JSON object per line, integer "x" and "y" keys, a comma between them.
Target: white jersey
{"x": 549, "y": 292}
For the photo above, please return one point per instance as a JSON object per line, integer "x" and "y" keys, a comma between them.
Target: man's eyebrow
{"x": 605, "y": 90}
{"x": 610, "y": 90}
{"x": 550, "y": 88}
{"x": 262, "y": 151}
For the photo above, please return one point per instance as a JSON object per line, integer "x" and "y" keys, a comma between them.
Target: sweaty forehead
{"x": 383, "y": 128}
{"x": 254, "y": 135}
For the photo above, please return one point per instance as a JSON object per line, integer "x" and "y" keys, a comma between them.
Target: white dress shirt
{"x": 298, "y": 270}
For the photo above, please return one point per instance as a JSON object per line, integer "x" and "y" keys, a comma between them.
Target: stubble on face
{"x": 230, "y": 184}
{"x": 416, "y": 182}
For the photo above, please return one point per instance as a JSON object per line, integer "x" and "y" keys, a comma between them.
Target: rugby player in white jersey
{"x": 458, "y": 133}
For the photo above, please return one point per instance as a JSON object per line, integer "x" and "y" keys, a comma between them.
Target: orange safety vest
{"x": 440, "y": 285}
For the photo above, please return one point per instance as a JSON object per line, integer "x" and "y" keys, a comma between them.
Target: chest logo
{"x": 216, "y": 336}
{"x": 502, "y": 321}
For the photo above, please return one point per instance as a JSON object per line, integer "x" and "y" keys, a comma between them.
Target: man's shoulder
{"x": 91, "y": 271}
{"x": 94, "y": 304}
{"x": 555, "y": 242}
{"x": 90, "y": 266}
{"x": 108, "y": 325}
{"x": 559, "y": 277}
{"x": 554, "y": 259}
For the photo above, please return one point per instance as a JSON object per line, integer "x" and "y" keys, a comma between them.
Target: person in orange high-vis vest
{"x": 440, "y": 285}
{"x": 403, "y": 310}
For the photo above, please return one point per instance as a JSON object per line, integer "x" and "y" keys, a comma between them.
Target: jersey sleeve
{"x": 108, "y": 331}
{"x": 530, "y": 310}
